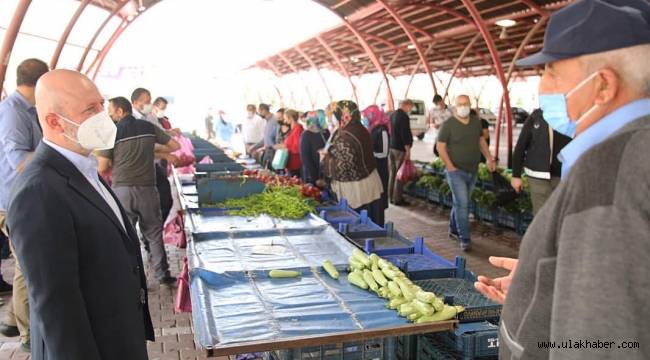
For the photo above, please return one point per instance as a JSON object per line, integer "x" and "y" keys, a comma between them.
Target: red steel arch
{"x": 10, "y": 37}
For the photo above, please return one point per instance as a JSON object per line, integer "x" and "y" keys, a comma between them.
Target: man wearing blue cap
{"x": 581, "y": 286}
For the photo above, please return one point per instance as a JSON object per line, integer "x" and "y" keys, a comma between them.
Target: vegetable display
{"x": 387, "y": 281}
{"x": 429, "y": 182}
{"x": 279, "y": 202}
{"x": 283, "y": 274}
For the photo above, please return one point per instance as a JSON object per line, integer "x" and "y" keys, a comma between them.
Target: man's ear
{"x": 608, "y": 86}
{"x": 54, "y": 122}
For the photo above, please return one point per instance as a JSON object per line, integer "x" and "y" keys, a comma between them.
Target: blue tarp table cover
{"x": 207, "y": 220}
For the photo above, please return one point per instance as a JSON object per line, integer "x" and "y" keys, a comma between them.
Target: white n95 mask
{"x": 98, "y": 132}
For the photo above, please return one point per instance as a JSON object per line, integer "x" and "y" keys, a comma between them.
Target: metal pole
{"x": 523, "y": 44}
{"x": 415, "y": 70}
{"x": 10, "y": 37}
{"x": 390, "y": 65}
{"x": 498, "y": 67}
{"x": 99, "y": 30}
{"x": 342, "y": 67}
{"x": 413, "y": 39}
{"x": 66, "y": 33}
{"x": 313, "y": 66}
{"x": 276, "y": 72}
{"x": 295, "y": 70}
{"x": 102, "y": 55}
{"x": 459, "y": 61}
{"x": 375, "y": 60}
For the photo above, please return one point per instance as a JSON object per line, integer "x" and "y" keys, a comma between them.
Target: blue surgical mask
{"x": 555, "y": 110}
{"x": 365, "y": 122}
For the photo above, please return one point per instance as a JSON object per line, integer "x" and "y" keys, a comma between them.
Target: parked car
{"x": 519, "y": 115}
{"x": 487, "y": 115}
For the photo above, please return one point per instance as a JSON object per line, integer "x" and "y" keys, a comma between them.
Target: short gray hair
{"x": 631, "y": 64}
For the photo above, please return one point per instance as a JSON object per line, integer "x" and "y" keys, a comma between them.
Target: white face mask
{"x": 463, "y": 111}
{"x": 96, "y": 133}
{"x": 146, "y": 109}
{"x": 160, "y": 113}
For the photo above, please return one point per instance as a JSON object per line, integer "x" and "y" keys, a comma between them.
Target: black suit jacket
{"x": 84, "y": 272}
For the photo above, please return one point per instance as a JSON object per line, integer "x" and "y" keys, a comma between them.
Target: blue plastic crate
{"x": 340, "y": 213}
{"x": 484, "y": 214}
{"x": 421, "y": 192}
{"x": 373, "y": 349}
{"x": 425, "y": 264}
{"x": 220, "y": 167}
{"x": 524, "y": 223}
{"x": 507, "y": 219}
{"x": 363, "y": 223}
{"x": 433, "y": 195}
{"x": 381, "y": 242}
{"x": 214, "y": 188}
{"x": 460, "y": 291}
{"x": 471, "y": 340}
{"x": 427, "y": 349}
{"x": 446, "y": 200}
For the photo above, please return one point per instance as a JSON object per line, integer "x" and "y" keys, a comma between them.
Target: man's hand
{"x": 492, "y": 165}
{"x": 497, "y": 289}
{"x": 451, "y": 167}
{"x": 322, "y": 153}
{"x": 175, "y": 132}
{"x": 279, "y": 146}
{"x": 516, "y": 184}
{"x": 172, "y": 159}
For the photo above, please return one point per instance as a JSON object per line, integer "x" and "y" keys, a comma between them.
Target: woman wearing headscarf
{"x": 292, "y": 143}
{"x": 379, "y": 128}
{"x": 349, "y": 161}
{"x": 312, "y": 140}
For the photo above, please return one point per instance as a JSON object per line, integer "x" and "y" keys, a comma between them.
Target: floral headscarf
{"x": 347, "y": 111}
{"x": 376, "y": 117}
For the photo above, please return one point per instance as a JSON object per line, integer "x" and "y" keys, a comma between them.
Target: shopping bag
{"x": 406, "y": 172}
{"x": 280, "y": 159}
{"x": 183, "y": 303}
{"x": 503, "y": 191}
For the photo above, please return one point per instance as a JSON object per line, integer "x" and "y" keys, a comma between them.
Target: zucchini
{"x": 394, "y": 289}
{"x": 367, "y": 277}
{"x": 425, "y": 296}
{"x": 356, "y": 278}
{"x": 284, "y": 274}
{"x": 331, "y": 270}
{"x": 448, "y": 313}
{"x": 395, "y": 303}
{"x": 379, "y": 277}
{"x": 361, "y": 257}
{"x": 424, "y": 308}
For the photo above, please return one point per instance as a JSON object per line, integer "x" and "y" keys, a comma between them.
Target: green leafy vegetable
{"x": 279, "y": 202}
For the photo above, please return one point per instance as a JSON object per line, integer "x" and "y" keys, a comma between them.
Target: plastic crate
{"x": 213, "y": 188}
{"x": 446, "y": 200}
{"x": 220, "y": 167}
{"x": 381, "y": 242}
{"x": 425, "y": 264}
{"x": 433, "y": 195}
{"x": 428, "y": 349}
{"x": 363, "y": 223}
{"x": 340, "y": 213}
{"x": 406, "y": 347}
{"x": 524, "y": 223}
{"x": 421, "y": 192}
{"x": 471, "y": 340}
{"x": 484, "y": 214}
{"x": 461, "y": 291}
{"x": 373, "y": 349}
{"x": 507, "y": 219}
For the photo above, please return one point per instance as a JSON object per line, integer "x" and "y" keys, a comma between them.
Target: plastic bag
{"x": 406, "y": 172}
{"x": 280, "y": 159}
{"x": 504, "y": 192}
{"x": 183, "y": 303}
{"x": 431, "y": 136}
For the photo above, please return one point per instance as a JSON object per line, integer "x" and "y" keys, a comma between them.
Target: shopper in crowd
{"x": 313, "y": 140}
{"x": 80, "y": 255}
{"x": 159, "y": 113}
{"x": 379, "y": 128}
{"x": 349, "y": 161}
{"x": 485, "y": 126}
{"x": 224, "y": 127}
{"x": 583, "y": 272}
{"x": 209, "y": 125}
{"x": 332, "y": 123}
{"x": 137, "y": 143}
{"x": 284, "y": 126}
{"x": 142, "y": 106}
{"x": 20, "y": 134}
{"x": 439, "y": 113}
{"x": 162, "y": 165}
{"x": 400, "y": 149}
{"x": 460, "y": 144}
{"x": 536, "y": 155}
{"x": 252, "y": 128}
{"x": 292, "y": 143}
{"x": 264, "y": 148}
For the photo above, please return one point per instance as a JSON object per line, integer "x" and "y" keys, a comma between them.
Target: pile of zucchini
{"x": 387, "y": 281}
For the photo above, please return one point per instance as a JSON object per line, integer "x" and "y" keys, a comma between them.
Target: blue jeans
{"x": 461, "y": 183}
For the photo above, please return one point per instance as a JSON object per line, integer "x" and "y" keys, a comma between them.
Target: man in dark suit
{"x": 80, "y": 254}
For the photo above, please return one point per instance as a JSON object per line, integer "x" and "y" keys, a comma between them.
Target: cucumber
{"x": 331, "y": 270}
{"x": 356, "y": 278}
{"x": 284, "y": 274}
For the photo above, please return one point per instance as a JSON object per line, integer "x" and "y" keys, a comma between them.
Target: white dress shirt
{"x": 253, "y": 129}
{"x": 87, "y": 165}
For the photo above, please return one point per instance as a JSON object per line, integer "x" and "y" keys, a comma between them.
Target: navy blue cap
{"x": 593, "y": 26}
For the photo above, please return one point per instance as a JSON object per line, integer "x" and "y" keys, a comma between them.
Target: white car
{"x": 488, "y": 115}
{"x": 418, "y": 117}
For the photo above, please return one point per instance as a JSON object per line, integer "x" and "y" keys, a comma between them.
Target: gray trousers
{"x": 541, "y": 190}
{"x": 395, "y": 188}
{"x": 142, "y": 206}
